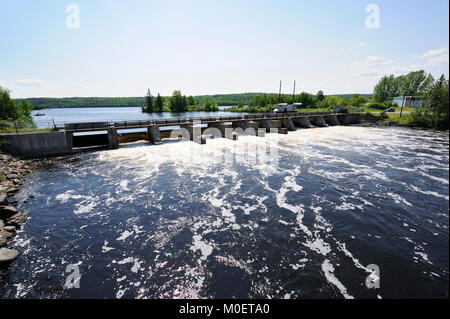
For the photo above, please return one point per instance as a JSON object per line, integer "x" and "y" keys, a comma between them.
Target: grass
{"x": 27, "y": 130}
{"x": 405, "y": 109}
{"x": 395, "y": 119}
{"x": 2, "y": 176}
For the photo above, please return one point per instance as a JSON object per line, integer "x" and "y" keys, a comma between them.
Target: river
{"x": 110, "y": 114}
{"x": 301, "y": 215}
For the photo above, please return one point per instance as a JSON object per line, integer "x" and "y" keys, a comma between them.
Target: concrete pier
{"x": 266, "y": 124}
{"x": 331, "y": 119}
{"x": 195, "y": 132}
{"x": 287, "y": 123}
{"x": 113, "y": 138}
{"x": 252, "y": 128}
{"x": 318, "y": 121}
{"x": 154, "y": 136}
{"x": 276, "y": 123}
{"x": 69, "y": 139}
{"x": 302, "y": 122}
{"x": 225, "y": 129}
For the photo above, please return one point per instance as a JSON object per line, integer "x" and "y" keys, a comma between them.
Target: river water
{"x": 59, "y": 116}
{"x": 301, "y": 215}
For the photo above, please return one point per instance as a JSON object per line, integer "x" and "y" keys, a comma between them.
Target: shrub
{"x": 377, "y": 105}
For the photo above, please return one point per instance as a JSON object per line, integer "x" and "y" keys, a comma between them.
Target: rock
{"x": 11, "y": 176}
{"x": 2, "y": 242}
{"x": 7, "y": 255}
{"x": 7, "y": 212}
{"x": 3, "y": 199}
{"x": 6, "y": 234}
{"x": 11, "y": 229}
{"x": 12, "y": 190}
{"x": 16, "y": 220}
{"x": 2, "y": 224}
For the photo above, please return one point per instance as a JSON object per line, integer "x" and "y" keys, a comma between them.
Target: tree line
{"x": 416, "y": 83}
{"x": 434, "y": 94}
{"x": 177, "y": 103}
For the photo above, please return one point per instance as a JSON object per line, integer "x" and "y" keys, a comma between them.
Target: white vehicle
{"x": 284, "y": 107}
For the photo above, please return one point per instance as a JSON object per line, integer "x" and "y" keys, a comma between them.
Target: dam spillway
{"x": 196, "y": 129}
{"x": 71, "y": 137}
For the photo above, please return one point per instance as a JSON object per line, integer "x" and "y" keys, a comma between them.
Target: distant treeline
{"x": 76, "y": 102}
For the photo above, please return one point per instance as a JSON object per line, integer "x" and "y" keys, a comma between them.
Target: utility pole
{"x": 279, "y": 94}
{"x": 293, "y": 94}
{"x": 403, "y": 103}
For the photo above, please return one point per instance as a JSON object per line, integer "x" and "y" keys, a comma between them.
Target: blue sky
{"x": 121, "y": 48}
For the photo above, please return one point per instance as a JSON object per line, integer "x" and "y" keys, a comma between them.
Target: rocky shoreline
{"x": 13, "y": 171}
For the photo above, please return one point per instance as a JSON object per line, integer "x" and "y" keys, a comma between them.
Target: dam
{"x": 70, "y": 137}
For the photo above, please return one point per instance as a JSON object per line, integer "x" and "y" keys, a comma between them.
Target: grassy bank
{"x": 417, "y": 118}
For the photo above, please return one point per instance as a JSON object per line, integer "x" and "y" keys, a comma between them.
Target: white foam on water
{"x": 203, "y": 246}
{"x": 105, "y": 247}
{"x": 125, "y": 234}
{"x": 328, "y": 271}
{"x": 398, "y": 199}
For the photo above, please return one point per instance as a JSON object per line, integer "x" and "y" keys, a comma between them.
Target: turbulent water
{"x": 285, "y": 216}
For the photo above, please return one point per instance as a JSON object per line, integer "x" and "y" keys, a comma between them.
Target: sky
{"x": 52, "y": 48}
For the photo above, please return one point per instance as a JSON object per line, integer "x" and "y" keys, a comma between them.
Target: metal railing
{"x": 104, "y": 125}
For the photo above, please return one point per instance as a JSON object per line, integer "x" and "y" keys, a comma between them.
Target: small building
{"x": 284, "y": 107}
{"x": 406, "y": 101}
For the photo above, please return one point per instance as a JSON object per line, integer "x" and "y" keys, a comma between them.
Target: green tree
{"x": 148, "y": 106}
{"x": 357, "y": 100}
{"x": 13, "y": 115}
{"x": 176, "y": 103}
{"x": 320, "y": 96}
{"x": 415, "y": 83}
{"x": 388, "y": 86}
{"x": 330, "y": 102}
{"x": 159, "y": 104}
{"x": 190, "y": 101}
{"x": 306, "y": 99}
{"x": 185, "y": 105}
{"x": 8, "y": 108}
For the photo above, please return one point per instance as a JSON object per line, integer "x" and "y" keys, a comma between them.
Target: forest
{"x": 234, "y": 99}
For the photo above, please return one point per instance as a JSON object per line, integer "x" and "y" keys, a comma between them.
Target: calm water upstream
{"x": 99, "y": 114}
{"x": 221, "y": 220}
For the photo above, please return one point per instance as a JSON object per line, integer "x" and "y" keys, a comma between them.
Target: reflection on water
{"x": 214, "y": 221}
{"x": 109, "y": 114}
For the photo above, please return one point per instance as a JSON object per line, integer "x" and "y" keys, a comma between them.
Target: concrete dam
{"x": 77, "y": 136}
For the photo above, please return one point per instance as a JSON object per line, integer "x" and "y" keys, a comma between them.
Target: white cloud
{"x": 361, "y": 44}
{"x": 374, "y": 67}
{"x": 438, "y": 60}
{"x": 432, "y": 53}
{"x": 372, "y": 61}
{"x": 30, "y": 83}
{"x": 434, "y": 57}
